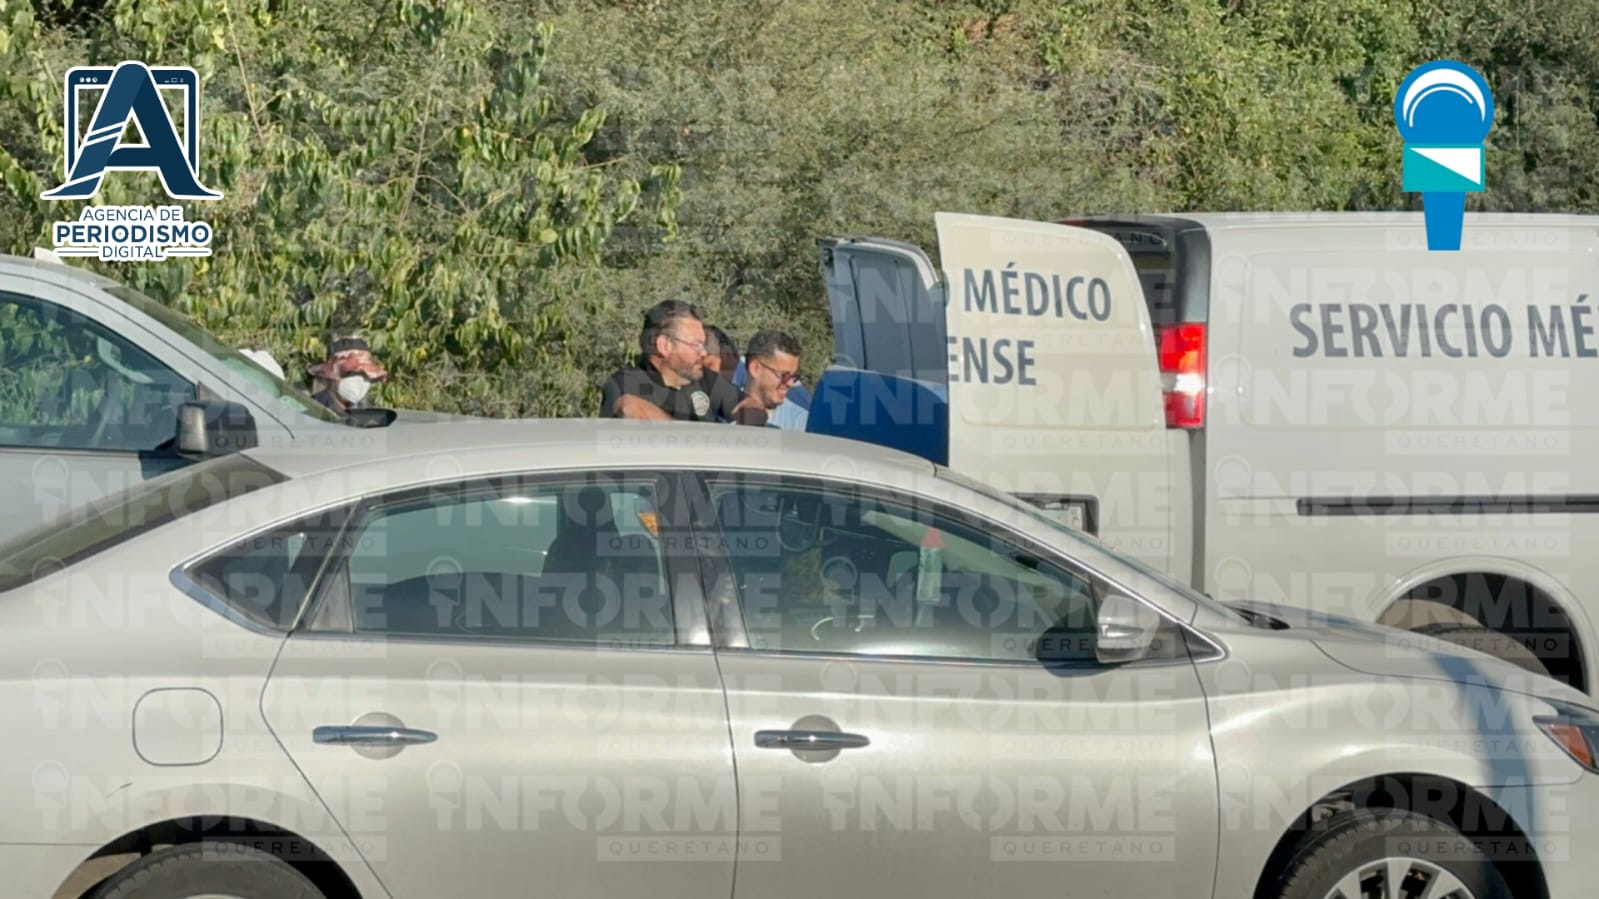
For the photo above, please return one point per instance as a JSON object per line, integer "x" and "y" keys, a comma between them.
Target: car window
{"x": 286, "y": 394}
{"x": 572, "y": 560}
{"x": 95, "y": 527}
{"x": 265, "y": 577}
{"x": 70, "y": 383}
{"x": 1059, "y": 527}
{"x": 828, "y": 569}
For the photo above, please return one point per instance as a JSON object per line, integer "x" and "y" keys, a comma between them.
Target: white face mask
{"x": 353, "y": 388}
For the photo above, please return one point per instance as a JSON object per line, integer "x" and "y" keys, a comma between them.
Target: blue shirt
{"x": 788, "y": 416}
{"x": 793, "y": 414}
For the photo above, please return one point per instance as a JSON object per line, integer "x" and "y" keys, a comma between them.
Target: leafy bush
{"x": 495, "y": 190}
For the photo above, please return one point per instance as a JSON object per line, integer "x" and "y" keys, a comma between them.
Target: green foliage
{"x": 412, "y": 180}
{"x": 794, "y": 120}
{"x": 494, "y": 190}
{"x": 33, "y": 354}
{"x": 1246, "y": 109}
{"x": 47, "y": 371}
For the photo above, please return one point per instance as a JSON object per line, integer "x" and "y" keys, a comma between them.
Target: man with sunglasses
{"x": 670, "y": 382}
{"x": 772, "y": 367}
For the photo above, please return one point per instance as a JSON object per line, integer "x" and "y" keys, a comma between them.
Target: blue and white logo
{"x": 1443, "y": 110}
{"x": 131, "y": 92}
{"x": 130, "y": 96}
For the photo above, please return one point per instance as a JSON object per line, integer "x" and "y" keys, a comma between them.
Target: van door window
{"x": 69, "y": 383}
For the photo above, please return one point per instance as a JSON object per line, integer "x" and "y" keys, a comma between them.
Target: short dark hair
{"x": 723, "y": 341}
{"x": 659, "y": 318}
{"x": 764, "y": 343}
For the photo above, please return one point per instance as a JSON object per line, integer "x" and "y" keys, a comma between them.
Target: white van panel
{"x": 1054, "y": 388}
{"x": 1378, "y": 409}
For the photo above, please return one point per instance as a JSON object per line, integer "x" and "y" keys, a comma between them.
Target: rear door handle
{"x": 802, "y": 740}
{"x": 371, "y": 735}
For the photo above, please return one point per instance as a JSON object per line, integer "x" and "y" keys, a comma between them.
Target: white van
{"x": 1309, "y": 409}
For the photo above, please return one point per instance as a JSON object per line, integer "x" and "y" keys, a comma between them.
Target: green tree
{"x": 397, "y": 168}
{"x": 497, "y": 202}
{"x": 798, "y": 119}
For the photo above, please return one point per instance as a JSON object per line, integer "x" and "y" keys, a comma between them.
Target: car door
{"x": 1027, "y": 361}
{"x": 505, "y": 686}
{"x": 900, "y": 727}
{"x": 83, "y": 410}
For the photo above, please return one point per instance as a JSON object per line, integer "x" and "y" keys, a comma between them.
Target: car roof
{"x": 54, "y": 271}
{"x": 485, "y": 445}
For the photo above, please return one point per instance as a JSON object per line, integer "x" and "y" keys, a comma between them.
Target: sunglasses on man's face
{"x": 784, "y": 378}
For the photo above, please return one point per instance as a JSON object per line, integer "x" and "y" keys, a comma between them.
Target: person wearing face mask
{"x": 346, "y": 377}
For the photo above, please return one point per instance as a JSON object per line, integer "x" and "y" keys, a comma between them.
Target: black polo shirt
{"x": 711, "y": 398}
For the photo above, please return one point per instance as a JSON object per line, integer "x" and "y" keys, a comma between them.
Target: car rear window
{"x": 265, "y": 577}
{"x": 96, "y": 527}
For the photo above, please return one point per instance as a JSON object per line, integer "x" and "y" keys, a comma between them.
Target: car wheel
{"x": 1489, "y": 642}
{"x": 1391, "y": 855}
{"x": 209, "y": 871}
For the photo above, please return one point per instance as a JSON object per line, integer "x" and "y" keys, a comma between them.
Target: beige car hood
{"x": 1390, "y": 652}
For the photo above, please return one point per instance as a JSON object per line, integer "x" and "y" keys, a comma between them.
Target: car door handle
{"x": 370, "y": 735}
{"x": 802, "y": 740}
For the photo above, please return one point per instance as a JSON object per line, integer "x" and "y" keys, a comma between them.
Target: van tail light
{"x": 1182, "y": 374}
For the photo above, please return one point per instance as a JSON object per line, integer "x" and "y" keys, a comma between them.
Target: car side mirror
{"x": 213, "y": 427}
{"x": 1125, "y": 630}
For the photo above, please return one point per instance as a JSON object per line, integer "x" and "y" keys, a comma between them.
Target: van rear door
{"x": 887, "y": 304}
{"x": 1027, "y": 363}
{"x": 1054, "y": 385}
{"x": 887, "y": 381}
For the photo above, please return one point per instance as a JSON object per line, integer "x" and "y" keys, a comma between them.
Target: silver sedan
{"x": 621, "y": 659}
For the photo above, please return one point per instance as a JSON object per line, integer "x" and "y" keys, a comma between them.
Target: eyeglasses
{"x": 703, "y": 347}
{"x": 784, "y": 378}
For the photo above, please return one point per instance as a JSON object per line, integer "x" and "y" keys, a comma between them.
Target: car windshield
{"x": 95, "y": 527}
{"x": 1053, "y": 524}
{"x": 237, "y": 362}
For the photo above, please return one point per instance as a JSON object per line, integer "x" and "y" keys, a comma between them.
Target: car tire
{"x": 1356, "y": 847}
{"x": 1489, "y": 642}
{"x": 209, "y": 869}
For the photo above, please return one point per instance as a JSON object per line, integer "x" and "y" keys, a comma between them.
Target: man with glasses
{"x": 772, "y": 367}
{"x": 669, "y": 383}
